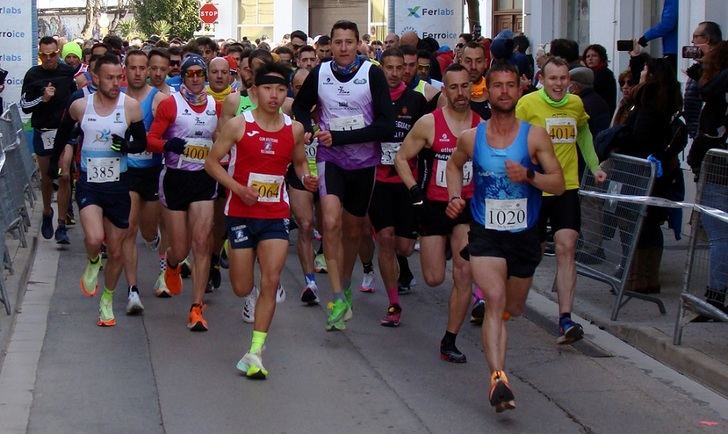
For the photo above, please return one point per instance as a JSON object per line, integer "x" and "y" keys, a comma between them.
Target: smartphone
{"x": 3, "y": 75}
{"x": 625, "y": 45}
{"x": 692, "y": 52}
{"x": 476, "y": 32}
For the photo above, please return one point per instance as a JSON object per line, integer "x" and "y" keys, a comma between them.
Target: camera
{"x": 692, "y": 52}
{"x": 625, "y": 45}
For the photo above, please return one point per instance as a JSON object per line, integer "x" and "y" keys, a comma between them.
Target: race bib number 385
{"x": 99, "y": 170}
{"x": 506, "y": 215}
{"x": 269, "y": 187}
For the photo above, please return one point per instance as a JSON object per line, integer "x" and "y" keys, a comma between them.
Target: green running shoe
{"x": 106, "y": 310}
{"x": 337, "y": 310}
{"x": 90, "y": 277}
{"x": 252, "y": 366}
{"x": 349, "y": 298}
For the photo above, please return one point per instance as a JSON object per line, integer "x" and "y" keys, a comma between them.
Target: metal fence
{"x": 18, "y": 175}
{"x": 610, "y": 227}
{"x": 706, "y": 271}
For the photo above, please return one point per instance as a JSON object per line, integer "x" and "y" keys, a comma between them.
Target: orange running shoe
{"x": 500, "y": 395}
{"x": 173, "y": 279}
{"x": 196, "y": 322}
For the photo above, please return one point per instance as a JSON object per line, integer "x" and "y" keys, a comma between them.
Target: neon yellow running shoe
{"x": 90, "y": 277}
{"x": 337, "y": 311}
{"x": 106, "y": 310}
{"x": 252, "y": 366}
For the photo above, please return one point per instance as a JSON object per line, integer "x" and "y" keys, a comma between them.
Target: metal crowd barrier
{"x": 18, "y": 172}
{"x": 706, "y": 270}
{"x": 610, "y": 227}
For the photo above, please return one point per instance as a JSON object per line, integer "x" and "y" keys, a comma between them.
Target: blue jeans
{"x": 716, "y": 196}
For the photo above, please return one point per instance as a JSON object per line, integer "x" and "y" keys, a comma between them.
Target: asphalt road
{"x": 149, "y": 374}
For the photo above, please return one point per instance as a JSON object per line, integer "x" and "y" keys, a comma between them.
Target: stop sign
{"x": 208, "y": 13}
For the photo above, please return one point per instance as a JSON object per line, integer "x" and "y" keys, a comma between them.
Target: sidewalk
{"x": 703, "y": 354}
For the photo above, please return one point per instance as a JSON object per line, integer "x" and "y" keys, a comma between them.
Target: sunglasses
{"x": 174, "y": 62}
{"x": 50, "y": 55}
{"x": 195, "y": 73}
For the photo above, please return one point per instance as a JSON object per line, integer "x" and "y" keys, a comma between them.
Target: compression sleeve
{"x": 382, "y": 127}
{"x": 63, "y": 135}
{"x": 586, "y": 145}
{"x": 305, "y": 100}
{"x": 138, "y": 144}
{"x": 165, "y": 116}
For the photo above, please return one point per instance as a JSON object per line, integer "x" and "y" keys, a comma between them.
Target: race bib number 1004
{"x": 441, "y": 179}
{"x": 196, "y": 150}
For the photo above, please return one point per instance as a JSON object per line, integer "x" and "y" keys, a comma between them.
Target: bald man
{"x": 409, "y": 39}
{"x": 219, "y": 78}
{"x": 391, "y": 41}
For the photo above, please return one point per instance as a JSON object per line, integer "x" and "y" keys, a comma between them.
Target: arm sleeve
{"x": 666, "y": 24}
{"x": 139, "y": 137}
{"x": 586, "y": 145}
{"x": 305, "y": 100}
{"x": 63, "y": 135}
{"x": 382, "y": 126}
{"x": 166, "y": 113}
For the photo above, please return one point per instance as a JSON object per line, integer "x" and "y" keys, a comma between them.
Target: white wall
{"x": 289, "y": 15}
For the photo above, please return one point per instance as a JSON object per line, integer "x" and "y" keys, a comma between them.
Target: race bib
{"x": 506, "y": 215}
{"x": 48, "y": 137}
{"x": 347, "y": 123}
{"x": 311, "y": 149}
{"x": 441, "y": 180}
{"x": 269, "y": 187}
{"x": 389, "y": 150}
{"x": 196, "y": 150}
{"x": 561, "y": 130}
{"x": 103, "y": 169}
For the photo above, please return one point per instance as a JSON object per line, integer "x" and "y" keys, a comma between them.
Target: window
{"x": 577, "y": 19}
{"x": 255, "y": 18}
{"x": 508, "y": 15}
{"x": 378, "y": 19}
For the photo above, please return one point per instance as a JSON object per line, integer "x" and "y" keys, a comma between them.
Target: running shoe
{"x": 90, "y": 277}
{"x": 406, "y": 288}
{"x": 569, "y": 332}
{"x": 173, "y": 279}
{"x": 349, "y": 299}
{"x": 134, "y": 304}
{"x": 106, "y": 310}
{"x": 549, "y": 249}
{"x": 391, "y": 319}
{"x": 160, "y": 287}
{"x": 196, "y": 322}
{"x": 309, "y": 294}
{"x": 224, "y": 262}
{"x": 215, "y": 276}
{"x": 500, "y": 394}
{"x": 251, "y": 365}
{"x": 185, "y": 271}
{"x": 452, "y": 354}
{"x": 367, "y": 283}
{"x": 478, "y": 313}
{"x": 62, "y": 235}
{"x": 337, "y": 311}
{"x": 46, "y": 227}
{"x": 280, "y": 294}
{"x": 70, "y": 218}
{"x": 319, "y": 263}
{"x": 249, "y": 306}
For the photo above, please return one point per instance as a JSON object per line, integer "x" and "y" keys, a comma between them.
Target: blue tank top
{"x": 498, "y": 203}
{"x": 146, "y": 159}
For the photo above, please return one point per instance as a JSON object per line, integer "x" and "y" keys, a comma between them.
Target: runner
{"x": 356, "y": 114}
{"x": 390, "y": 211}
{"x": 435, "y": 134}
{"x": 183, "y": 129}
{"x": 261, "y": 143}
{"x": 513, "y": 162}
{"x": 143, "y": 176}
{"x": 563, "y": 116}
{"x": 44, "y": 95}
{"x": 107, "y": 119}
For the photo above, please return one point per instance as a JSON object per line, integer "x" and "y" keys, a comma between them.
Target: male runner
{"x": 107, "y": 119}
{"x": 435, "y": 134}
{"x": 563, "y": 116}
{"x": 261, "y": 143}
{"x": 183, "y": 129}
{"x": 158, "y": 70}
{"x": 45, "y": 92}
{"x": 512, "y": 163}
{"x": 143, "y": 176}
{"x": 390, "y": 210}
{"x": 356, "y": 114}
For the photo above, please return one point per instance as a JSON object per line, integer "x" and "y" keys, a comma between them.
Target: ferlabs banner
{"x": 442, "y": 20}
{"x": 17, "y": 46}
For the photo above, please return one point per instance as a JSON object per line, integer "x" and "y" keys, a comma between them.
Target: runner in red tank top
{"x": 434, "y": 138}
{"x": 261, "y": 143}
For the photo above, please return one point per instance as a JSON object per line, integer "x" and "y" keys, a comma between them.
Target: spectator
{"x": 667, "y": 30}
{"x": 626, "y": 104}
{"x": 567, "y": 50}
{"x": 705, "y": 36}
{"x": 524, "y": 61}
{"x": 595, "y": 58}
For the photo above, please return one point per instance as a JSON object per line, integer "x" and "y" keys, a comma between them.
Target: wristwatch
{"x": 530, "y": 174}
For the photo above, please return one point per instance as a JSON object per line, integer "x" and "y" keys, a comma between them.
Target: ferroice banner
{"x": 17, "y": 42}
{"x": 442, "y": 20}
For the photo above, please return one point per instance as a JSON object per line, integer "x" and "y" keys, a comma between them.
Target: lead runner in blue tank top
{"x": 513, "y": 162}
